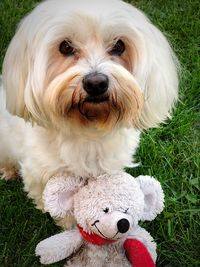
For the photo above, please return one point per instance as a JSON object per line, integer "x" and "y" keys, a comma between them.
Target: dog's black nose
{"x": 123, "y": 225}
{"x": 95, "y": 84}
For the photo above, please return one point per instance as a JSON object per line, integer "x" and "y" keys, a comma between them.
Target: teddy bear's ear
{"x": 59, "y": 193}
{"x": 153, "y": 197}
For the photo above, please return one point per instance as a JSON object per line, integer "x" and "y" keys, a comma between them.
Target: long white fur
{"x": 42, "y": 151}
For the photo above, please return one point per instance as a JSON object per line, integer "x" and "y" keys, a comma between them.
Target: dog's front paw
{"x": 8, "y": 173}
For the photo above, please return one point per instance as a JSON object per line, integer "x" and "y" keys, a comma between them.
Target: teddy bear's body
{"x": 110, "y": 255}
{"x": 99, "y": 256}
{"x": 85, "y": 257}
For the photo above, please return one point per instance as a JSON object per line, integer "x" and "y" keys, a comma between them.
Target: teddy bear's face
{"x": 109, "y": 207}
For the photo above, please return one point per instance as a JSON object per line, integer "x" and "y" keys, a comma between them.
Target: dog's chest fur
{"x": 82, "y": 156}
{"x": 46, "y": 153}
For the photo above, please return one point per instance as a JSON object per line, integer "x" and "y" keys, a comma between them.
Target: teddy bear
{"x": 107, "y": 210}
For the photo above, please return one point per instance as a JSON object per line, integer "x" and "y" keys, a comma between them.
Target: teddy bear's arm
{"x": 59, "y": 246}
{"x": 142, "y": 235}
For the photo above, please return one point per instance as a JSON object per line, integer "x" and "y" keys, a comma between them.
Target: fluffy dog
{"x": 83, "y": 79}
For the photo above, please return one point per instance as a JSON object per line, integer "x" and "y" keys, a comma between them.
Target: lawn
{"x": 170, "y": 153}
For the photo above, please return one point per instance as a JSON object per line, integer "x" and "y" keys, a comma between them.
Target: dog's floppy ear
{"x": 59, "y": 193}
{"x": 161, "y": 84}
{"x": 156, "y": 69}
{"x": 153, "y": 197}
{"x": 23, "y": 70}
{"x": 15, "y": 74}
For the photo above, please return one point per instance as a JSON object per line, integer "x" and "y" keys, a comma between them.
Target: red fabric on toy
{"x": 138, "y": 254}
{"x": 94, "y": 239}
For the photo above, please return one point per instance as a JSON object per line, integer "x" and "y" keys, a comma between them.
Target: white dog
{"x": 87, "y": 77}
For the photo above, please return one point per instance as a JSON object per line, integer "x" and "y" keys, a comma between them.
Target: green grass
{"x": 170, "y": 153}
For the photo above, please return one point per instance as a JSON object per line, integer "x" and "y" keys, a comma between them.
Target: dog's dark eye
{"x": 66, "y": 48}
{"x": 118, "y": 49}
{"x": 106, "y": 210}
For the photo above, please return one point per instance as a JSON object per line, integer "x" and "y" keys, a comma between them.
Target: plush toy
{"x": 107, "y": 210}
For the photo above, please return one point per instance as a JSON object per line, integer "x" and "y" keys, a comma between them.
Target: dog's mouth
{"x": 95, "y": 107}
{"x": 97, "y": 99}
{"x": 102, "y": 110}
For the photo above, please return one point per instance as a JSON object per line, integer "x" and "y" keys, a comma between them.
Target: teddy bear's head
{"x": 109, "y": 205}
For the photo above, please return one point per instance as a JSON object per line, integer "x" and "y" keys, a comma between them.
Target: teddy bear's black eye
{"x": 126, "y": 210}
{"x": 106, "y": 210}
{"x": 66, "y": 48}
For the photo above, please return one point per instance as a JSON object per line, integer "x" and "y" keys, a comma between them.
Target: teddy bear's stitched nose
{"x": 123, "y": 225}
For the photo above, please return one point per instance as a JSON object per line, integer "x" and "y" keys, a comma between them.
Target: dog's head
{"x": 92, "y": 64}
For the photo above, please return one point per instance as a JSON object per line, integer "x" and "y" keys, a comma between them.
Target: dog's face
{"x": 89, "y": 77}
{"x": 92, "y": 64}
